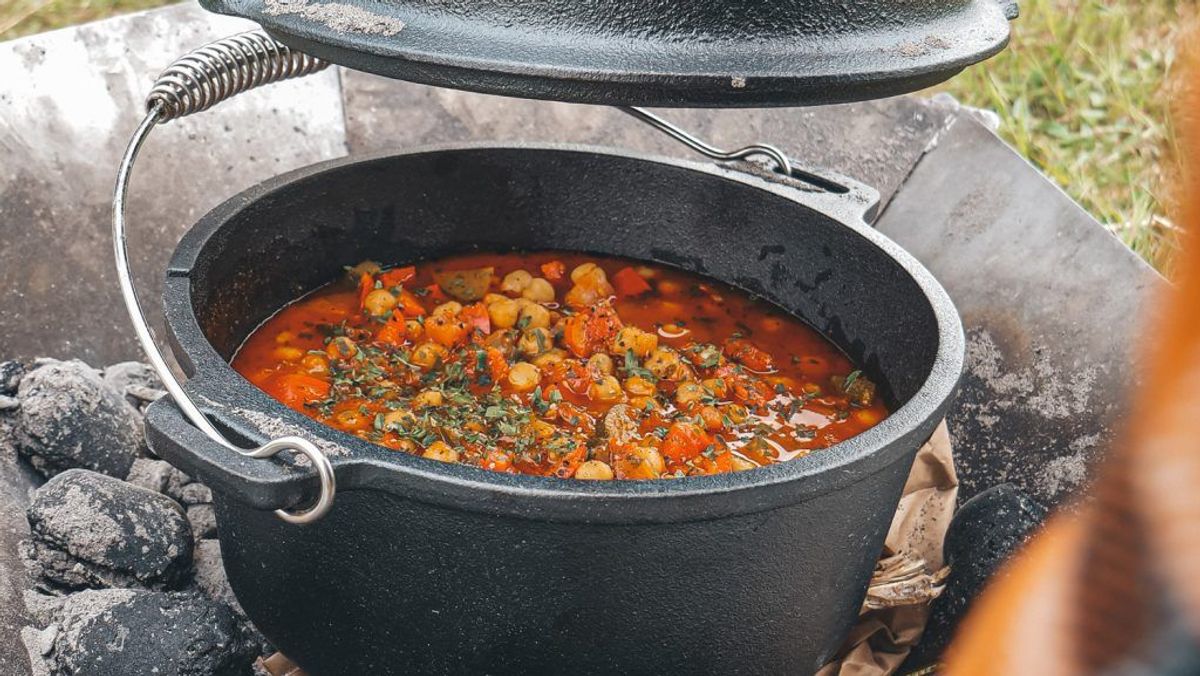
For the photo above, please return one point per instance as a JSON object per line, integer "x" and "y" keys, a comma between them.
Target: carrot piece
{"x": 365, "y": 284}
{"x": 575, "y": 335}
{"x": 434, "y": 292}
{"x": 410, "y": 305}
{"x": 397, "y": 276}
{"x": 476, "y": 317}
{"x": 297, "y": 389}
{"x": 685, "y": 441}
{"x": 748, "y": 354}
{"x": 554, "y": 270}
{"x": 628, "y": 282}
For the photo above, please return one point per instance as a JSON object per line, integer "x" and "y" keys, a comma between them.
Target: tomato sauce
{"x": 560, "y": 364}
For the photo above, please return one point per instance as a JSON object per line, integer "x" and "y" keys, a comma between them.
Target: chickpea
{"x": 583, "y": 269}
{"x": 352, "y": 420}
{"x": 534, "y": 342}
{"x": 638, "y": 386}
{"x": 581, "y": 296}
{"x": 534, "y": 316}
{"x": 287, "y": 353}
{"x": 713, "y": 420}
{"x": 427, "y": 354}
{"x": 668, "y": 287}
{"x": 594, "y": 470}
{"x": 503, "y": 313}
{"x": 539, "y": 291}
{"x": 284, "y": 337}
{"x": 489, "y": 298}
{"x": 688, "y": 393}
{"x": 649, "y": 460}
{"x": 428, "y": 398}
{"x": 643, "y": 403}
{"x": 413, "y": 329}
{"x": 398, "y": 419}
{"x": 717, "y": 386}
{"x": 550, "y": 358}
{"x": 315, "y": 364}
{"x": 341, "y": 348}
{"x": 632, "y": 338}
{"x": 450, "y": 308}
{"x": 524, "y": 376}
{"x": 606, "y": 390}
{"x": 664, "y": 363}
{"x": 516, "y": 281}
{"x": 600, "y": 365}
{"x": 736, "y": 413}
{"x": 741, "y": 464}
{"x": 541, "y": 429}
{"x": 379, "y": 302}
{"x": 866, "y": 417}
{"x": 440, "y": 451}
{"x": 445, "y": 329}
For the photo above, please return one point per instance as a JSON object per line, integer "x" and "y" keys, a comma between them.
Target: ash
{"x": 111, "y": 553}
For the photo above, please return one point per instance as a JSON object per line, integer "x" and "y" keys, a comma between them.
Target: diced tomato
{"x": 628, "y": 282}
{"x": 565, "y": 468}
{"x": 397, "y": 276}
{"x": 685, "y": 441}
{"x": 554, "y": 270}
{"x": 497, "y": 364}
{"x": 297, "y": 389}
{"x": 497, "y": 461}
{"x": 410, "y": 305}
{"x": 575, "y": 335}
{"x": 748, "y": 354}
{"x": 476, "y": 318}
{"x": 603, "y": 325}
{"x": 393, "y": 332}
{"x": 434, "y": 293}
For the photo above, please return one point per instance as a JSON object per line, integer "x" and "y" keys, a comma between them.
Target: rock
{"x": 137, "y": 381}
{"x": 8, "y": 403}
{"x": 11, "y": 373}
{"x": 210, "y": 574}
{"x": 90, "y": 530}
{"x": 158, "y": 476}
{"x": 125, "y": 631}
{"x": 203, "y": 521}
{"x": 70, "y": 418}
{"x": 195, "y": 494}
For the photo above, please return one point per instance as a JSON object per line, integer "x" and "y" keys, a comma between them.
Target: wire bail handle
{"x": 196, "y": 82}
{"x": 219, "y": 71}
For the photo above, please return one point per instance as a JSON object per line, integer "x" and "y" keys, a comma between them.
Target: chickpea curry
{"x": 560, "y": 364}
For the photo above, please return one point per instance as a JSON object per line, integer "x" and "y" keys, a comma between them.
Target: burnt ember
{"x": 122, "y": 568}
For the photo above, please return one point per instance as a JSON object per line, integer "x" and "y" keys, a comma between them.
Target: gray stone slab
{"x": 1052, "y": 304}
{"x": 877, "y": 142}
{"x": 16, "y": 482}
{"x": 68, "y": 103}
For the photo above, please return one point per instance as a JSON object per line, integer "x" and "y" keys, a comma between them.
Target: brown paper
{"x": 912, "y": 572}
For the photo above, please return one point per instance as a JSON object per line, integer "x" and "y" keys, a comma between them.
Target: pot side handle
{"x": 261, "y": 485}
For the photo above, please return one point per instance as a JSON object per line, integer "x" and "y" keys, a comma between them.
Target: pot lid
{"x": 695, "y": 53}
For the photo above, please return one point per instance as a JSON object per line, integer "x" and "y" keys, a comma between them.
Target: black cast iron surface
{"x": 648, "y": 52}
{"x": 423, "y": 567}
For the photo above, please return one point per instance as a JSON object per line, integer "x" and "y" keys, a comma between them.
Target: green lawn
{"x": 1080, "y": 93}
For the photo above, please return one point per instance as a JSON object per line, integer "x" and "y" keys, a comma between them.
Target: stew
{"x": 560, "y": 364}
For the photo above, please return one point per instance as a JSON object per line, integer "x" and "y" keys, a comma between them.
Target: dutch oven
{"x": 423, "y": 567}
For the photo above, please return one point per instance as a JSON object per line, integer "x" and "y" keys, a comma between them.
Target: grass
{"x": 1081, "y": 93}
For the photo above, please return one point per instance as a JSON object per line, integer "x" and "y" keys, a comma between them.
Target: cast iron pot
{"x": 424, "y": 567}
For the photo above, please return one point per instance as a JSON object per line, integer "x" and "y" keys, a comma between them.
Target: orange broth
{"x": 580, "y": 366}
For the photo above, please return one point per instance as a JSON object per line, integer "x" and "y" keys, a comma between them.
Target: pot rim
{"x": 369, "y": 466}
